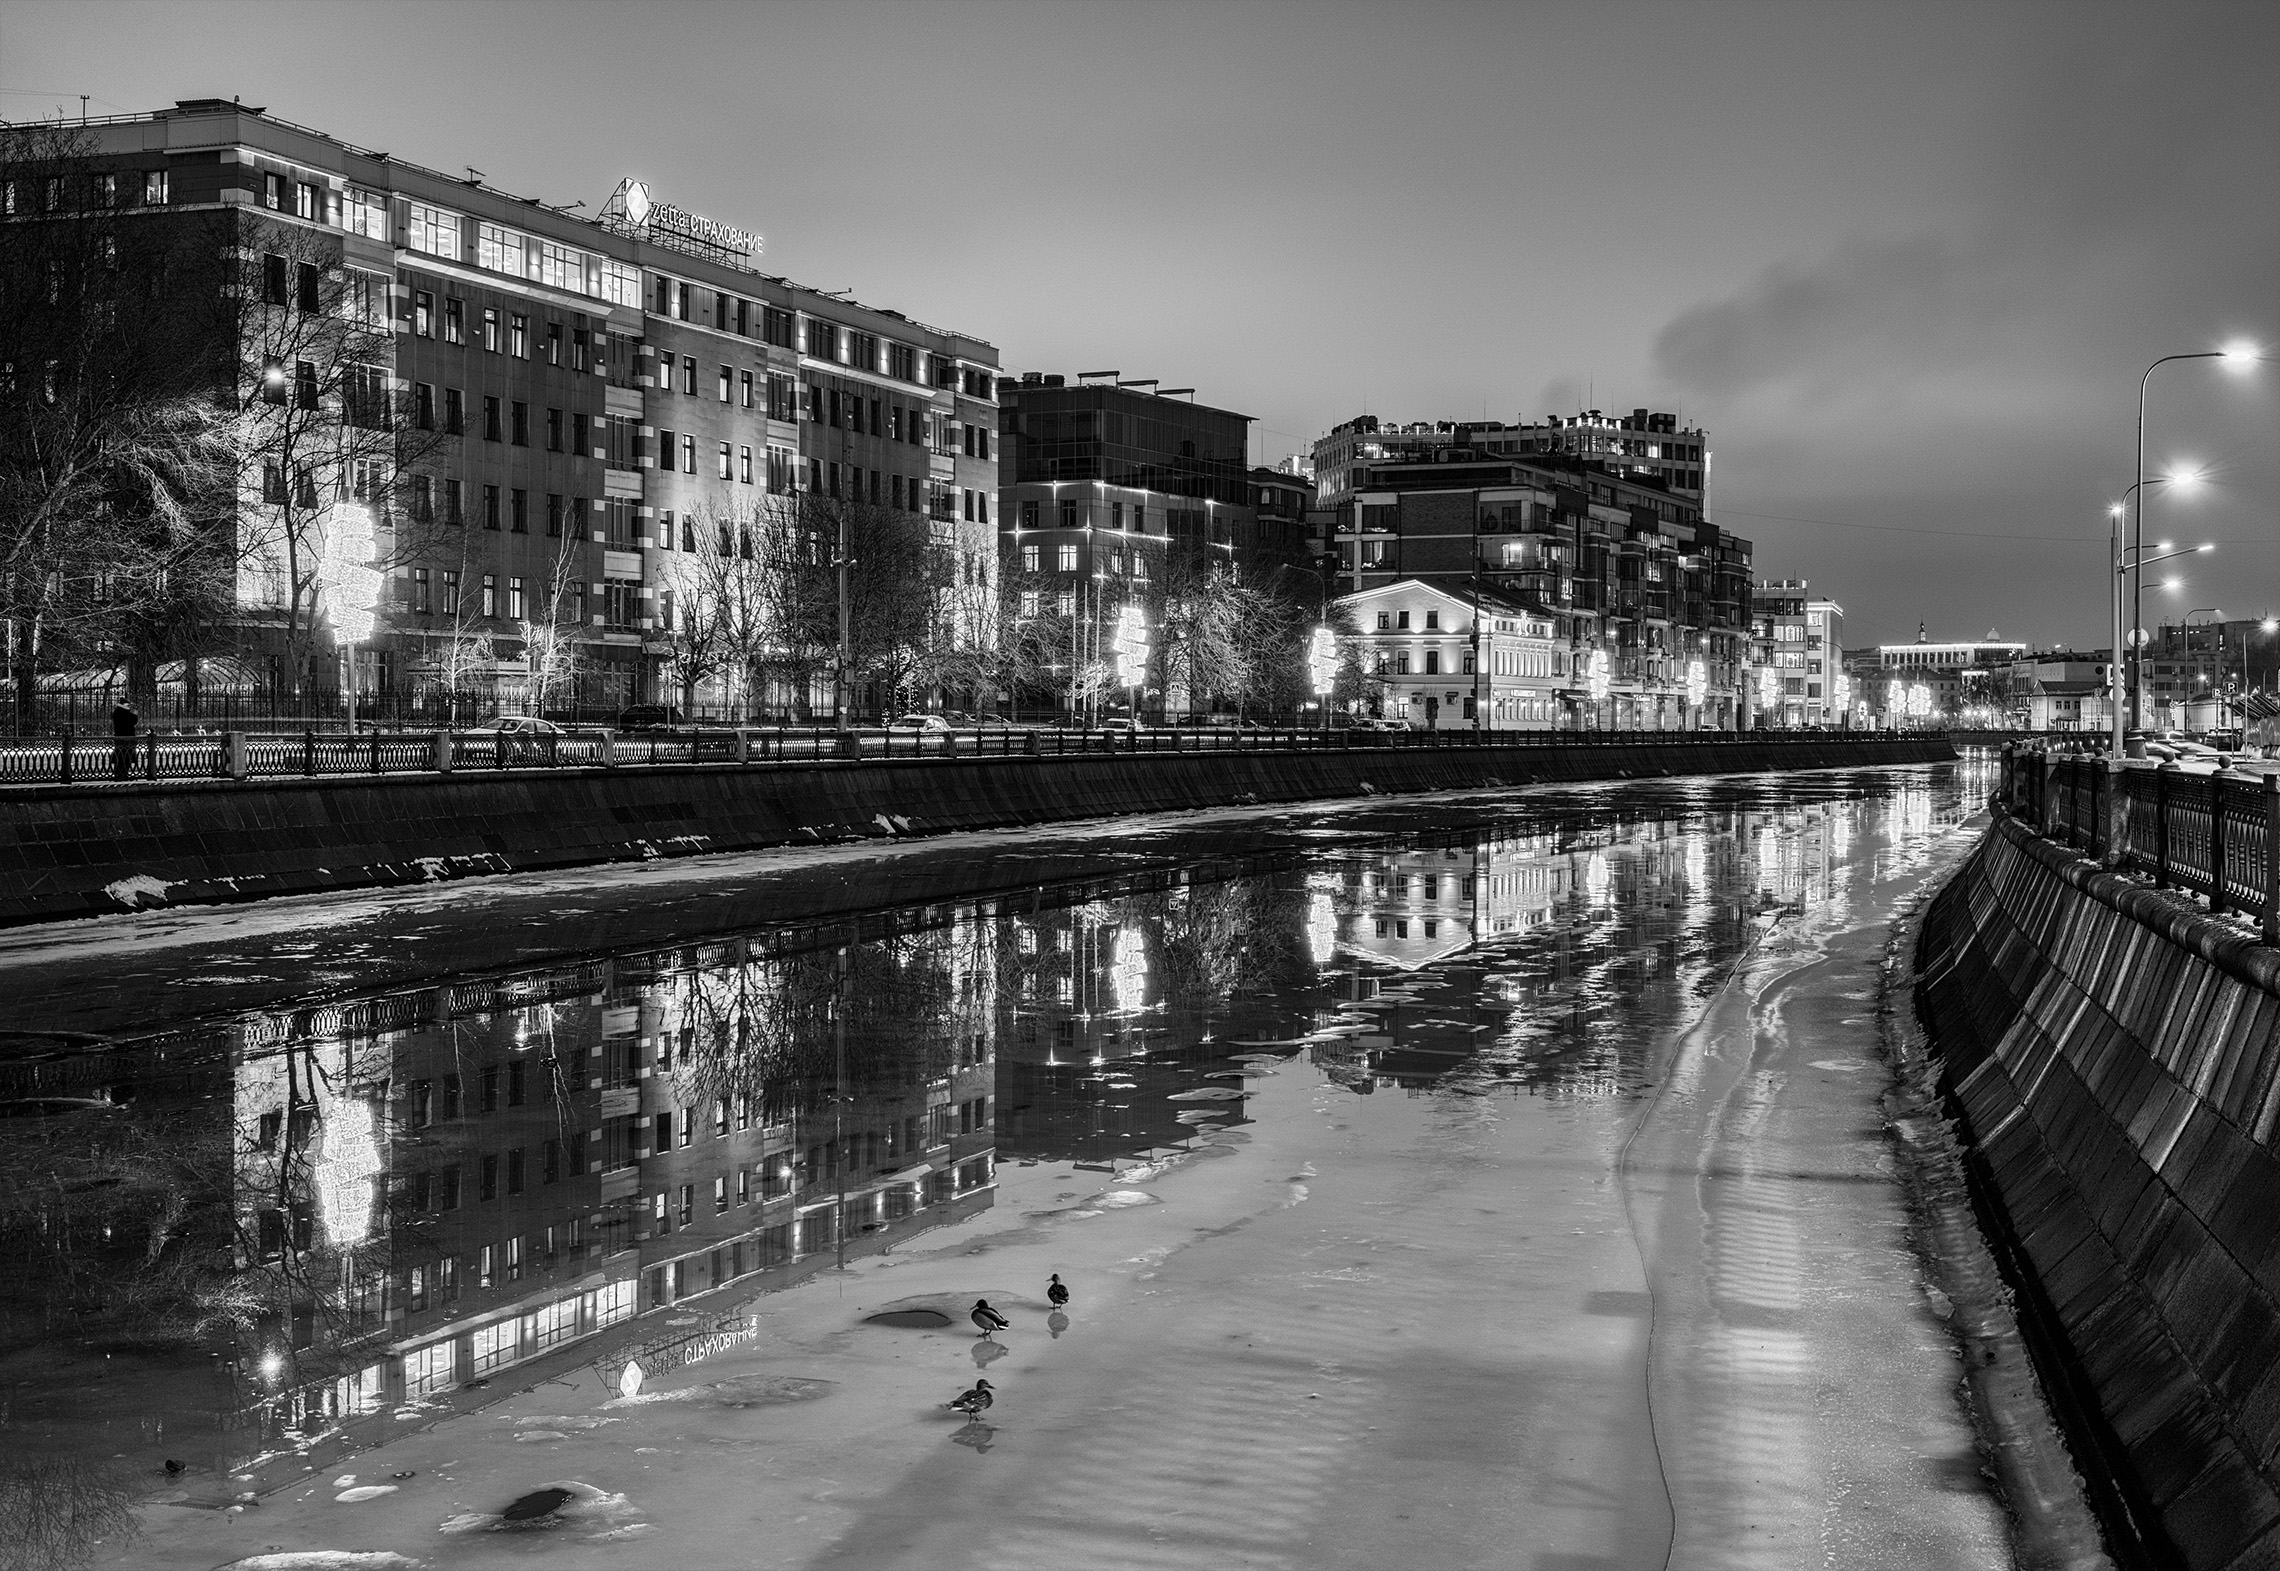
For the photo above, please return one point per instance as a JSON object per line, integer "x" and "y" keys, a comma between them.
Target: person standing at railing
{"x": 124, "y": 723}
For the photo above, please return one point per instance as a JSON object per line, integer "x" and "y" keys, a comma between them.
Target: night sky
{"x": 1906, "y": 262}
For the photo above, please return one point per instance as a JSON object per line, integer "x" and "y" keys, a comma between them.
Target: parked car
{"x": 1123, "y": 725}
{"x": 519, "y": 736}
{"x": 1000, "y": 722}
{"x": 651, "y": 717}
{"x": 519, "y": 725}
{"x": 924, "y": 725}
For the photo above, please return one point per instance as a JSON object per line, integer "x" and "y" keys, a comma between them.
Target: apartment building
{"x": 1624, "y": 568}
{"x": 1648, "y": 446}
{"x": 1800, "y": 677}
{"x": 573, "y": 404}
{"x": 1109, "y": 477}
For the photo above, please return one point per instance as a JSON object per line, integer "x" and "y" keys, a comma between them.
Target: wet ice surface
{"x": 1369, "y": 1173}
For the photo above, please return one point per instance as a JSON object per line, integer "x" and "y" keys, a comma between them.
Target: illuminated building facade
{"x": 565, "y": 408}
{"x": 1441, "y": 660}
{"x": 1800, "y": 676}
{"x": 1625, "y": 567}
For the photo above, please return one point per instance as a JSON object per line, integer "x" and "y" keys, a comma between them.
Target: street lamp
{"x": 2238, "y": 355}
{"x": 2125, "y": 561}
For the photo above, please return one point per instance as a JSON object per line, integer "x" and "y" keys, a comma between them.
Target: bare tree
{"x": 115, "y": 463}
{"x": 552, "y": 629}
{"x": 324, "y": 434}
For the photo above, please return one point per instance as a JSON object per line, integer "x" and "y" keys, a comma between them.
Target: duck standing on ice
{"x": 1057, "y": 1294}
{"x": 971, "y": 1403}
{"x": 988, "y": 1320}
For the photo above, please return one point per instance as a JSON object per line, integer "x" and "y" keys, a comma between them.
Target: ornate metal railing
{"x": 2212, "y": 831}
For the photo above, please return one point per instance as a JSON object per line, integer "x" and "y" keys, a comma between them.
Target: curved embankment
{"x": 2114, "y": 1056}
{"x": 79, "y": 850}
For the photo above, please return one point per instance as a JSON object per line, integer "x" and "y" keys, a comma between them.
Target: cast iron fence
{"x": 2215, "y": 832}
{"x": 244, "y": 755}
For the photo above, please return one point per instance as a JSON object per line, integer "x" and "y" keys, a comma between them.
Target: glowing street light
{"x": 2237, "y": 356}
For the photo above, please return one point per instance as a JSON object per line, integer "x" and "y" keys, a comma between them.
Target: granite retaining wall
{"x": 80, "y": 850}
{"x": 2113, "y": 1055}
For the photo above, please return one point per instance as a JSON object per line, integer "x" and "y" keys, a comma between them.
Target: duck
{"x": 1057, "y": 1294}
{"x": 988, "y": 1320}
{"x": 971, "y": 1403}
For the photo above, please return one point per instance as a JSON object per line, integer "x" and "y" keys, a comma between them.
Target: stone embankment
{"x": 82, "y": 850}
{"x": 2113, "y": 1055}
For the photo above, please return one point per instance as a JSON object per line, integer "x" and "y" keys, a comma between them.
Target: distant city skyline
{"x": 1905, "y": 264}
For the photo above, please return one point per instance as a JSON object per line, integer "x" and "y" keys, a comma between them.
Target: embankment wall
{"x": 80, "y": 850}
{"x": 2114, "y": 1057}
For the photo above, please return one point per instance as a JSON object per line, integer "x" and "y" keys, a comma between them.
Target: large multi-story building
{"x": 1643, "y": 445}
{"x": 1111, "y": 476}
{"x": 572, "y": 406}
{"x": 1912, "y": 683}
{"x": 1622, "y": 567}
{"x": 1798, "y": 650}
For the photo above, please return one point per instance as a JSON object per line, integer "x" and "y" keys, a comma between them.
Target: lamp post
{"x": 2236, "y": 356}
{"x": 2123, "y": 562}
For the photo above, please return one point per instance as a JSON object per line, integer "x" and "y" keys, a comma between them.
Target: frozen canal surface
{"x": 1483, "y": 1181}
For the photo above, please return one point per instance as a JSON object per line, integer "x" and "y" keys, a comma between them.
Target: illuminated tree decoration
{"x": 1596, "y": 679}
{"x": 1128, "y": 975}
{"x": 1697, "y": 682}
{"x": 1769, "y": 687}
{"x": 1131, "y": 646}
{"x": 1322, "y": 661}
{"x": 351, "y": 583}
{"x": 342, "y": 1173}
{"x": 1321, "y": 928}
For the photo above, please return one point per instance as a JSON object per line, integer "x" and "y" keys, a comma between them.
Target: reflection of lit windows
{"x": 515, "y": 1258}
{"x": 1064, "y": 989}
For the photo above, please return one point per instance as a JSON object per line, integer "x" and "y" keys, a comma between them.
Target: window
{"x": 554, "y": 343}
{"x": 780, "y": 470}
{"x": 273, "y": 284}
{"x": 724, "y": 461}
{"x": 665, "y": 451}
{"x": 1029, "y": 559}
{"x": 450, "y": 608}
{"x": 423, "y": 314}
{"x": 747, "y": 389}
{"x": 500, "y": 250}
{"x": 454, "y": 412}
{"x": 822, "y": 340}
{"x": 434, "y": 231}
{"x": 776, "y": 327}
{"x": 688, "y": 454}
{"x": 744, "y": 467}
{"x": 518, "y": 335}
{"x": 554, "y": 513}
{"x": 309, "y": 201}
{"x": 728, "y": 383}
{"x": 451, "y": 501}
{"x": 490, "y": 507}
{"x": 1067, "y": 561}
{"x": 154, "y": 188}
{"x": 620, "y": 284}
{"x": 561, "y": 268}
{"x": 272, "y": 193}
{"x": 521, "y": 424}
{"x": 689, "y": 375}
{"x": 515, "y": 598}
{"x": 554, "y": 430}
{"x": 491, "y": 328}
{"x": 520, "y": 503}
{"x": 305, "y": 383}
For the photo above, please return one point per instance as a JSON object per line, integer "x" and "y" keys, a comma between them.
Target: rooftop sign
{"x": 631, "y": 207}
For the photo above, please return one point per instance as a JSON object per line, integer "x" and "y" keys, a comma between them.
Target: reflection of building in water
{"x": 447, "y": 1183}
{"x": 1102, "y": 1005}
{"x": 1414, "y": 907}
{"x": 1504, "y": 961}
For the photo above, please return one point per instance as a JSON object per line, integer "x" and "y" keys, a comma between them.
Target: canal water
{"x": 249, "y": 1247}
